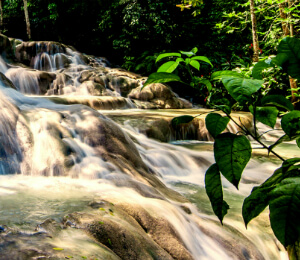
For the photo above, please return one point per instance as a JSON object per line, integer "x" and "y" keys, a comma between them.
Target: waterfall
{"x": 57, "y": 161}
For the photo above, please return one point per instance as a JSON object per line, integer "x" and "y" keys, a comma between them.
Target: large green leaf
{"x": 266, "y": 115}
{"x": 179, "y": 120}
{"x": 168, "y": 67}
{"x": 164, "y": 55}
{"x": 219, "y": 74}
{"x": 214, "y": 190}
{"x": 232, "y": 153}
{"x": 161, "y": 77}
{"x": 278, "y": 101}
{"x": 290, "y": 123}
{"x": 259, "y": 67}
{"x": 285, "y": 211}
{"x": 255, "y": 203}
{"x": 202, "y": 58}
{"x": 289, "y": 55}
{"x": 216, "y": 124}
{"x": 241, "y": 89}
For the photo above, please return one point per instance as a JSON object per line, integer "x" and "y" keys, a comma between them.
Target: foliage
{"x": 186, "y": 60}
{"x": 232, "y": 152}
{"x": 281, "y": 191}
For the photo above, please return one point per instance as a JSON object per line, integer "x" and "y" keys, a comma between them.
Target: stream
{"x": 80, "y": 183}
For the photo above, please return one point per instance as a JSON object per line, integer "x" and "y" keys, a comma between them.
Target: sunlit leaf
{"x": 164, "y": 55}
{"x": 202, "y": 58}
{"x": 168, "y": 67}
{"x": 232, "y": 153}
{"x": 195, "y": 64}
{"x": 187, "y": 53}
{"x": 214, "y": 190}
{"x": 161, "y": 77}
{"x": 58, "y": 249}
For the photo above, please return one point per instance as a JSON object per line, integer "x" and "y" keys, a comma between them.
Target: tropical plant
{"x": 232, "y": 152}
{"x": 186, "y": 60}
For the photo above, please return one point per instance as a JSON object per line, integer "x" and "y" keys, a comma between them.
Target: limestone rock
{"x": 159, "y": 95}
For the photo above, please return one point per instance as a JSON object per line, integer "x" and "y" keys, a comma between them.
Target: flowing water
{"x": 57, "y": 159}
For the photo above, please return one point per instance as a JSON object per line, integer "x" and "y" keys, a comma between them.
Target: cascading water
{"x": 55, "y": 160}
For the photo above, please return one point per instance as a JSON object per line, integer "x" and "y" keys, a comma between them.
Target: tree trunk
{"x": 254, "y": 32}
{"x": 284, "y": 24}
{"x": 27, "y": 19}
{"x": 290, "y": 4}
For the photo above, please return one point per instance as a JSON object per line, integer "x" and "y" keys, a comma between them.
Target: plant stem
{"x": 247, "y": 132}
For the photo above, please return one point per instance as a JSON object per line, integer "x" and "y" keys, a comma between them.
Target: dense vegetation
{"x": 130, "y": 32}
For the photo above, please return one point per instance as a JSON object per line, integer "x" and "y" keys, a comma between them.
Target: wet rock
{"x": 98, "y": 103}
{"x": 124, "y": 235}
{"x": 159, "y": 96}
{"x": 49, "y": 226}
{"x": 24, "y": 246}
{"x": 6, "y": 50}
{"x": 6, "y": 82}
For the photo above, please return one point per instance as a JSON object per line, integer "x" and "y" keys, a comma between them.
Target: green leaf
{"x": 202, "y": 58}
{"x": 168, "y": 67}
{"x": 214, "y": 190}
{"x": 241, "y": 89}
{"x": 259, "y": 67}
{"x": 195, "y": 64}
{"x": 176, "y": 121}
{"x": 289, "y": 55}
{"x": 285, "y": 211}
{"x": 232, "y": 153}
{"x": 266, "y": 115}
{"x": 278, "y": 101}
{"x": 206, "y": 82}
{"x": 255, "y": 203}
{"x": 221, "y": 103}
{"x": 161, "y": 77}
{"x": 298, "y": 142}
{"x": 290, "y": 123}
{"x": 194, "y": 50}
{"x": 187, "y": 53}
{"x": 288, "y": 163}
{"x": 57, "y": 249}
{"x": 216, "y": 124}
{"x": 219, "y": 74}
{"x": 164, "y": 55}
{"x": 179, "y": 60}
